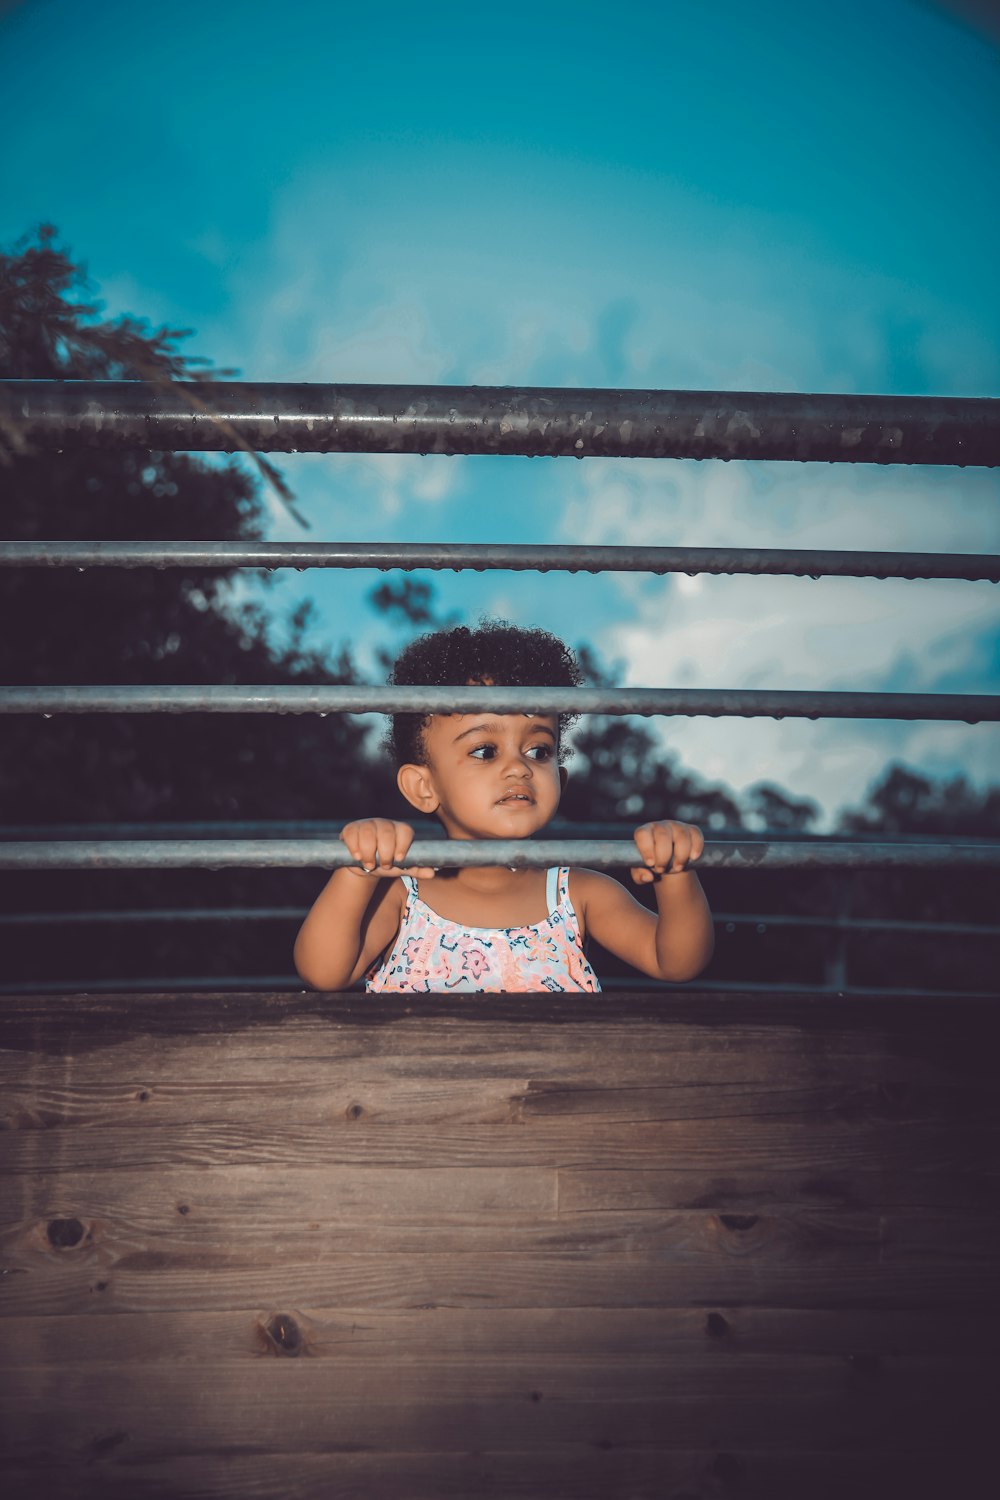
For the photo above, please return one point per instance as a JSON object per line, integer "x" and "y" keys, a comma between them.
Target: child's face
{"x": 489, "y": 775}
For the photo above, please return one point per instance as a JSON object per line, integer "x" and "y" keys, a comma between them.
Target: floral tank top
{"x": 432, "y": 954}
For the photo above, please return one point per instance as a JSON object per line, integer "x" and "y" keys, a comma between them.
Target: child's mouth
{"x": 515, "y": 797}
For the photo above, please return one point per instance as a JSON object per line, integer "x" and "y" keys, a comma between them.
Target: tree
{"x": 145, "y": 627}
{"x": 141, "y": 626}
{"x": 776, "y": 811}
{"x": 904, "y": 801}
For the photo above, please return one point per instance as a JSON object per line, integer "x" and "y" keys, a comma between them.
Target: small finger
{"x": 644, "y": 842}
{"x": 369, "y": 845}
{"x": 682, "y": 849}
{"x": 386, "y": 846}
{"x": 661, "y": 848}
{"x": 658, "y": 850}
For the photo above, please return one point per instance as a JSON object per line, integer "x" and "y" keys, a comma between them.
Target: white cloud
{"x": 437, "y": 280}
{"x": 776, "y": 632}
{"x": 647, "y": 502}
{"x": 832, "y": 761}
{"x": 796, "y": 633}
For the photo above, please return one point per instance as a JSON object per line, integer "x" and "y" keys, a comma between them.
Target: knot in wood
{"x": 284, "y": 1333}
{"x": 65, "y": 1233}
{"x": 716, "y": 1326}
{"x": 355, "y": 1111}
{"x": 738, "y": 1222}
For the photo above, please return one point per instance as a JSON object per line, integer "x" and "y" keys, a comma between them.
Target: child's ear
{"x": 563, "y": 778}
{"x": 417, "y": 787}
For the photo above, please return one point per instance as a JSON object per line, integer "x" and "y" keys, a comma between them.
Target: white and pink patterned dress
{"x": 432, "y": 954}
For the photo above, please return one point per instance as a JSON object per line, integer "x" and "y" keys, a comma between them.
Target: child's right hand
{"x": 380, "y": 844}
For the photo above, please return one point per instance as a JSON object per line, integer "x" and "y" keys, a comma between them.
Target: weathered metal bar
{"x": 140, "y": 915}
{"x": 513, "y": 558}
{"x": 218, "y": 854}
{"x": 533, "y": 420}
{"x": 972, "y": 708}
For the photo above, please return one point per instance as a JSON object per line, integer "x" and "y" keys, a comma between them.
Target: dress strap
{"x": 552, "y": 892}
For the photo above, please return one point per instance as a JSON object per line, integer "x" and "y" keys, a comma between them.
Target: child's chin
{"x": 518, "y": 826}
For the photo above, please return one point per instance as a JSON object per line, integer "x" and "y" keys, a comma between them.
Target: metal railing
{"x": 202, "y": 416}
{"x": 247, "y": 698}
{"x": 207, "y": 416}
{"x": 600, "y": 854}
{"x": 727, "y": 920}
{"x": 512, "y": 557}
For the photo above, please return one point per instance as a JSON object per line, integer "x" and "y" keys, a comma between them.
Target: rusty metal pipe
{"x": 514, "y": 557}
{"x": 224, "y": 698}
{"x": 217, "y": 854}
{"x": 270, "y": 417}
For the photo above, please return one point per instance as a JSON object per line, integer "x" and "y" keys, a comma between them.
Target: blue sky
{"x": 769, "y": 197}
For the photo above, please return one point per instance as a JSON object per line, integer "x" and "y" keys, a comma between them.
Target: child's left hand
{"x": 666, "y": 848}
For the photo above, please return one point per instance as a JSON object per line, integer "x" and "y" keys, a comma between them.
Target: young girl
{"x": 499, "y": 776}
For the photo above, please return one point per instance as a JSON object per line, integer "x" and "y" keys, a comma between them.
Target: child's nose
{"x": 517, "y": 765}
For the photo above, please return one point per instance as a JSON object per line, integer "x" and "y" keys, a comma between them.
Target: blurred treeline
{"x": 148, "y": 626}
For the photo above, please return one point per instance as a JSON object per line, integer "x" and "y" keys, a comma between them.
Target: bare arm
{"x": 678, "y": 942}
{"x": 356, "y": 915}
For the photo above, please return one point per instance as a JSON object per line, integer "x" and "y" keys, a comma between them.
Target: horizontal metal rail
{"x": 760, "y": 921}
{"x": 219, "y": 854}
{"x": 514, "y": 557}
{"x": 531, "y": 420}
{"x": 972, "y": 708}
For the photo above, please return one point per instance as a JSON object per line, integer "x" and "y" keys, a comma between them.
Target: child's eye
{"x": 540, "y": 752}
{"x": 484, "y": 752}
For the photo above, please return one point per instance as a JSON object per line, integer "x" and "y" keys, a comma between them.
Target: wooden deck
{"x": 641, "y": 1246}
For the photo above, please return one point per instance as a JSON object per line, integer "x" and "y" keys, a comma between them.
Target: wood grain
{"x": 639, "y": 1246}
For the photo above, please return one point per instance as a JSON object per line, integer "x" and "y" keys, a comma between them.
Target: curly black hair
{"x": 504, "y": 654}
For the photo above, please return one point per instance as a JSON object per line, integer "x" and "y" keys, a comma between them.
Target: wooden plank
{"x": 620, "y": 1245}
{"x": 759, "y": 1190}
{"x": 343, "y": 1380}
{"x": 151, "y": 1280}
{"x": 121, "y": 1218}
{"x": 55, "y": 1097}
{"x": 183, "y": 1207}
{"x": 308, "y": 1406}
{"x": 831, "y": 1142}
{"x": 359, "y": 1028}
{"x": 371, "y": 1336}
{"x": 628, "y": 1191}
{"x": 315, "y": 1050}
{"x": 581, "y": 1471}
